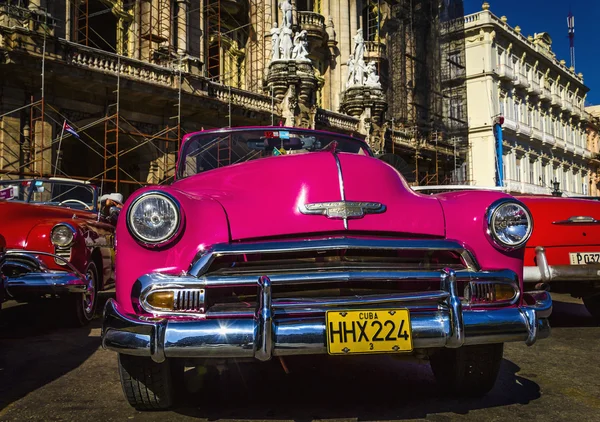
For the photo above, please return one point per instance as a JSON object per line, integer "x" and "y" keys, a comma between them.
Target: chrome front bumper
{"x": 544, "y": 272}
{"x": 39, "y": 279}
{"x": 271, "y": 333}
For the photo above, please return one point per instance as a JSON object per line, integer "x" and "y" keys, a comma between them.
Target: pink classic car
{"x": 279, "y": 241}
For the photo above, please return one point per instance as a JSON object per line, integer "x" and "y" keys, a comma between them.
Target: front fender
{"x": 465, "y": 222}
{"x": 205, "y": 224}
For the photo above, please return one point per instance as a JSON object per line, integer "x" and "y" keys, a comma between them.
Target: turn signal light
{"x": 482, "y": 293}
{"x": 161, "y": 300}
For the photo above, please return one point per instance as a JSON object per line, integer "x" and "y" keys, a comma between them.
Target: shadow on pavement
{"x": 36, "y": 348}
{"x": 319, "y": 388}
{"x": 570, "y": 314}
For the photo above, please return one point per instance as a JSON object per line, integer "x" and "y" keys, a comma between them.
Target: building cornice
{"x": 486, "y": 19}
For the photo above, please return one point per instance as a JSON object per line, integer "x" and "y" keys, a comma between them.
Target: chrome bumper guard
{"x": 268, "y": 334}
{"x": 545, "y": 273}
{"x": 39, "y": 279}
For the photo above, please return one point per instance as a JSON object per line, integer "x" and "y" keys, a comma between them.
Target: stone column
{"x": 134, "y": 32}
{"x": 68, "y": 21}
{"x": 202, "y": 34}
{"x": 182, "y": 26}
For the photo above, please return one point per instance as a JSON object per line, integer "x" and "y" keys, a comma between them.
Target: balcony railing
{"x": 537, "y": 134}
{"x": 505, "y": 71}
{"x": 534, "y": 87}
{"x": 375, "y": 50}
{"x": 556, "y": 100}
{"x": 521, "y": 80}
{"x": 337, "y": 120}
{"x": 549, "y": 138}
{"x": 313, "y": 23}
{"x": 568, "y": 105}
{"x": 546, "y": 94}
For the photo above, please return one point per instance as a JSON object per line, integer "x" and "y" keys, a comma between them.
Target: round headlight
{"x": 509, "y": 223}
{"x": 154, "y": 218}
{"x": 62, "y": 235}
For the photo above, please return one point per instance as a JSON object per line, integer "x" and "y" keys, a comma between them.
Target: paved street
{"x": 50, "y": 373}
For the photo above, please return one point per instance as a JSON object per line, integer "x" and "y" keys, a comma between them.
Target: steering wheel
{"x": 87, "y": 207}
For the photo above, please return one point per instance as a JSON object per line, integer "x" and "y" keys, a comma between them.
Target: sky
{"x": 551, "y": 16}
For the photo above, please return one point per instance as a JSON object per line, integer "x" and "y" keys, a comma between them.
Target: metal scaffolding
{"x": 427, "y": 90}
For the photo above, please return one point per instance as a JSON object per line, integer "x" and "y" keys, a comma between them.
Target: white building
{"x": 542, "y": 102}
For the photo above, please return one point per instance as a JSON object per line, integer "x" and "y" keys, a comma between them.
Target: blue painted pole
{"x": 499, "y": 156}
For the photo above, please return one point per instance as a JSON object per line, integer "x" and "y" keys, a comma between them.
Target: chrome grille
{"x": 189, "y": 300}
{"x": 64, "y": 253}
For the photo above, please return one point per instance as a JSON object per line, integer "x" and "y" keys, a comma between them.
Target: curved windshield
{"x": 212, "y": 150}
{"x": 49, "y": 192}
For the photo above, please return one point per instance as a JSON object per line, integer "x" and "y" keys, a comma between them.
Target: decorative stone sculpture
{"x": 300, "y": 51}
{"x": 286, "y": 8}
{"x": 360, "y": 74}
{"x": 372, "y": 78}
{"x": 286, "y": 43}
{"x": 359, "y": 45}
{"x": 275, "y": 48}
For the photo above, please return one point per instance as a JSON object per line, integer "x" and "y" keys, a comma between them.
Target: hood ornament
{"x": 342, "y": 209}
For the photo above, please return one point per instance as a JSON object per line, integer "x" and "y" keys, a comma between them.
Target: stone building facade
{"x": 593, "y": 145}
{"x": 133, "y": 77}
{"x": 519, "y": 78}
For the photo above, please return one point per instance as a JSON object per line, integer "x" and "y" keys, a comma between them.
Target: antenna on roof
{"x": 571, "y": 26}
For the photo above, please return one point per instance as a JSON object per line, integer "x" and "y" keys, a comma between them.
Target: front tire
{"x": 147, "y": 385}
{"x": 80, "y": 308}
{"x": 592, "y": 304}
{"x": 468, "y": 370}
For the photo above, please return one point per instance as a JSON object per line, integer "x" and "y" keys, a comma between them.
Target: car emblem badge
{"x": 342, "y": 209}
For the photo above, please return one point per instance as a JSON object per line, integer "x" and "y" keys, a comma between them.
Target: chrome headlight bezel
{"x": 491, "y": 213}
{"x": 171, "y": 235}
{"x": 70, "y": 229}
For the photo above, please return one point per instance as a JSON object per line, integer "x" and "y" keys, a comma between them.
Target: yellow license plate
{"x": 368, "y": 331}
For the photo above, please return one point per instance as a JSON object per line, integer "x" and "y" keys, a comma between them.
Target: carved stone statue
{"x": 372, "y": 78}
{"x": 351, "y": 70}
{"x": 275, "y": 48}
{"x": 285, "y": 42}
{"x": 330, "y": 29}
{"x": 359, "y": 46}
{"x": 300, "y": 51}
{"x": 286, "y": 9}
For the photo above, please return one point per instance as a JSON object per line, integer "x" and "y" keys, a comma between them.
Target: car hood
{"x": 17, "y": 219}
{"x": 263, "y": 198}
{"x": 561, "y": 221}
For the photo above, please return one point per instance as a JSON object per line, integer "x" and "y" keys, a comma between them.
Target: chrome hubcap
{"x": 90, "y": 294}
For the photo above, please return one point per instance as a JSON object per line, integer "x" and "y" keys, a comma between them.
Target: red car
{"x": 564, "y": 249}
{"x": 563, "y": 253}
{"x": 59, "y": 245}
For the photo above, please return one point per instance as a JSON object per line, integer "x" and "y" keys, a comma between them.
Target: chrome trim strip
{"x": 457, "y": 335}
{"x": 578, "y": 219}
{"x": 231, "y": 338}
{"x": 48, "y": 282}
{"x": 166, "y": 281}
{"x": 32, "y": 255}
{"x": 341, "y": 182}
{"x": 360, "y": 300}
{"x": 546, "y": 273}
{"x": 263, "y": 345}
{"x": 205, "y": 259}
